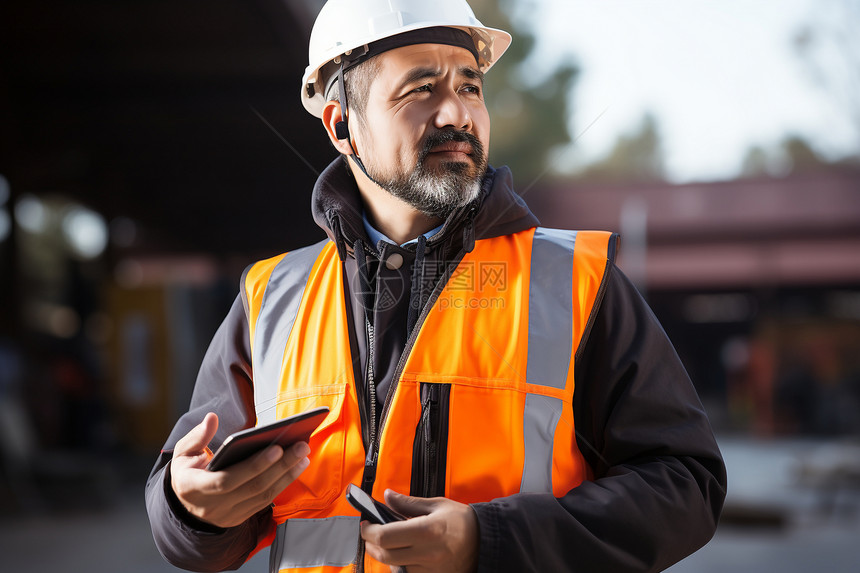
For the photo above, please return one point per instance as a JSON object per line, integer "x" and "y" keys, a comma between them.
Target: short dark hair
{"x": 357, "y": 81}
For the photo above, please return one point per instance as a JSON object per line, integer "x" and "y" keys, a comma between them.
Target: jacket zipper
{"x": 425, "y": 448}
{"x": 372, "y": 452}
{"x": 373, "y": 447}
{"x": 429, "y": 450}
{"x": 430, "y": 443}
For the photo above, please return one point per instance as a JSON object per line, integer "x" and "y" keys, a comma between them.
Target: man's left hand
{"x": 442, "y": 535}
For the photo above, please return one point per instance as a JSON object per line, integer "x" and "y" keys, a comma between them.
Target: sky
{"x": 719, "y": 75}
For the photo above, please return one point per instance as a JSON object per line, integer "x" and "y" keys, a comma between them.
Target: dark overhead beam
{"x": 147, "y": 110}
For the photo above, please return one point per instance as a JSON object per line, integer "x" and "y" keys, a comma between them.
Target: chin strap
{"x": 341, "y": 128}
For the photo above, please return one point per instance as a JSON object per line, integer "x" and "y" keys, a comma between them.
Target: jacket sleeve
{"x": 659, "y": 479}
{"x": 223, "y": 386}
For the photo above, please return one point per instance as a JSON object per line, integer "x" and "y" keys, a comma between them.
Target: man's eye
{"x": 472, "y": 89}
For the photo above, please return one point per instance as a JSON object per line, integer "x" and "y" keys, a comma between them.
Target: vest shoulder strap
{"x": 274, "y": 290}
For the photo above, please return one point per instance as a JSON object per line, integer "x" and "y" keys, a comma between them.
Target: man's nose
{"x": 452, "y": 112}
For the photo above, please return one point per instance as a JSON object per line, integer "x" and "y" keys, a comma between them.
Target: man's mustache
{"x": 443, "y": 136}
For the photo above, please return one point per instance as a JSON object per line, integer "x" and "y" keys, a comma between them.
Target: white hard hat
{"x": 346, "y": 25}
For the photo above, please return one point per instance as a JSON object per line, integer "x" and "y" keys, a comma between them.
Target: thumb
{"x": 194, "y": 442}
{"x": 408, "y": 505}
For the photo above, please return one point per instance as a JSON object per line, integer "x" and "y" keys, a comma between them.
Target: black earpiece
{"x": 341, "y": 130}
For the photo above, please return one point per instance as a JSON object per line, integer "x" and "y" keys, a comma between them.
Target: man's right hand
{"x": 228, "y": 497}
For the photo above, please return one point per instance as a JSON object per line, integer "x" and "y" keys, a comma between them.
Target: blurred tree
{"x": 801, "y": 155}
{"x": 634, "y": 157}
{"x": 829, "y": 46}
{"x": 793, "y": 155}
{"x": 528, "y": 103}
{"x": 756, "y": 162}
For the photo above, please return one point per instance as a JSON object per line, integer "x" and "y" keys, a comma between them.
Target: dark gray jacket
{"x": 659, "y": 480}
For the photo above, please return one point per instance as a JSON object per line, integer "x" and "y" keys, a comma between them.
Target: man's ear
{"x": 331, "y": 117}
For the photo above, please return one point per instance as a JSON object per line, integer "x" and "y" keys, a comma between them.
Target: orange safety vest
{"x": 501, "y": 336}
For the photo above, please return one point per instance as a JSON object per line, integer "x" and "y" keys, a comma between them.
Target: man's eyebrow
{"x": 472, "y": 73}
{"x": 418, "y": 74}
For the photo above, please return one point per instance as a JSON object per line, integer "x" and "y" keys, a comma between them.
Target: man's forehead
{"x": 405, "y": 61}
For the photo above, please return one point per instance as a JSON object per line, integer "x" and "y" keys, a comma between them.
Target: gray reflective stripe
{"x": 550, "y": 307}
{"x": 277, "y": 314}
{"x": 331, "y": 542}
{"x": 540, "y": 419}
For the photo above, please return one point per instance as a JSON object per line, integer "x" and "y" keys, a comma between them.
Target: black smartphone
{"x": 286, "y": 432}
{"x": 371, "y": 510}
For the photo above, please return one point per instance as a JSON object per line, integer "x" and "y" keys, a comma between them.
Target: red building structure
{"x": 757, "y": 281}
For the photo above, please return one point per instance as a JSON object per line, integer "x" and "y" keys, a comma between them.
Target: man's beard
{"x": 438, "y": 191}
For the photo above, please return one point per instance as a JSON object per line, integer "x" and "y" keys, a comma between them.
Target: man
{"x": 501, "y": 384}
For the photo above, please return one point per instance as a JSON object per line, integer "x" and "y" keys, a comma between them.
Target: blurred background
{"x": 151, "y": 149}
